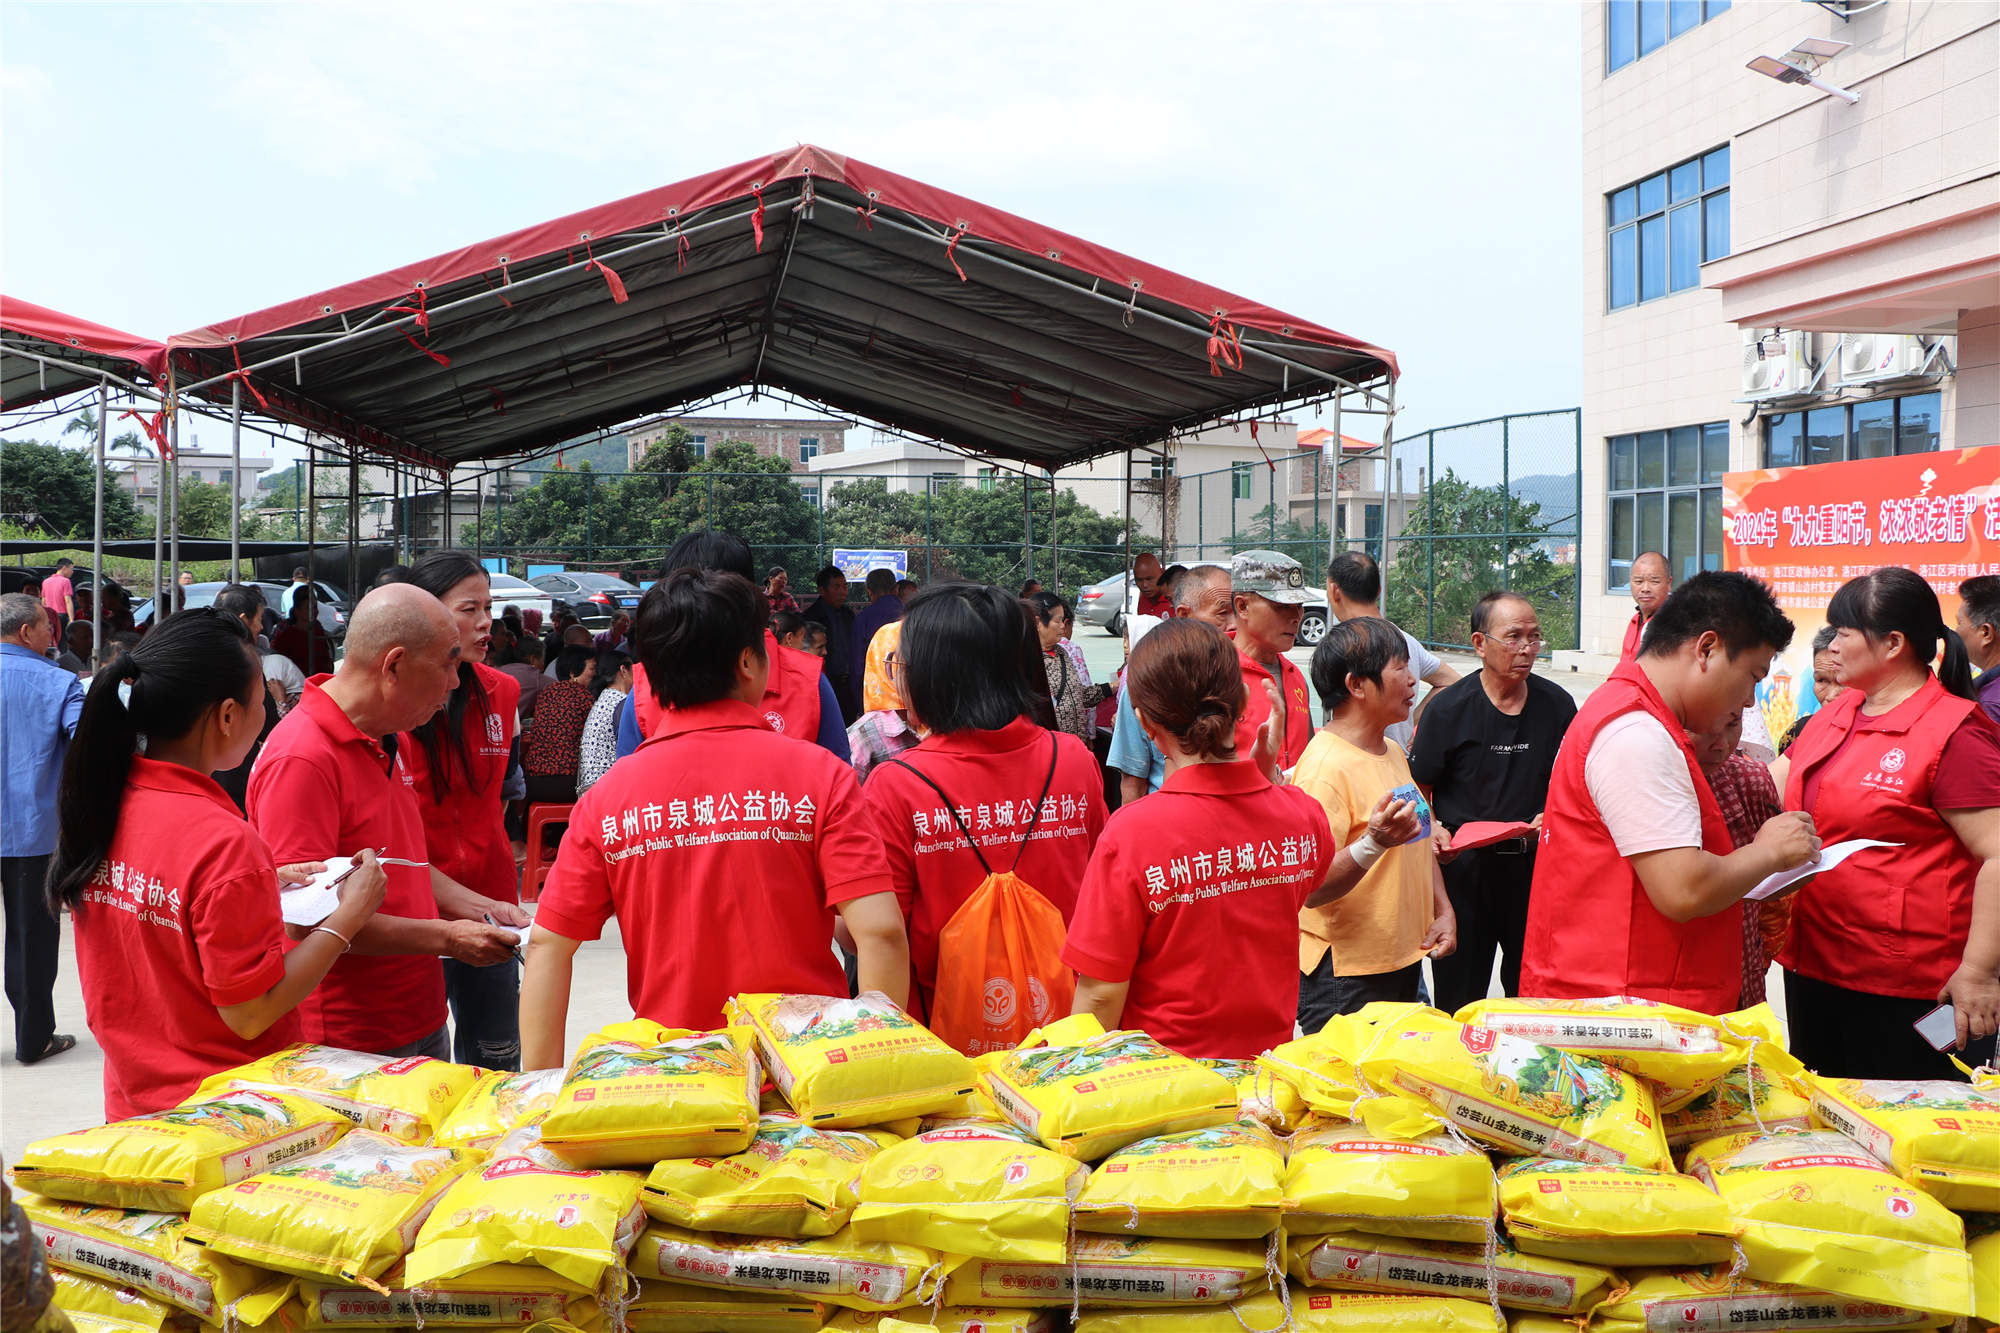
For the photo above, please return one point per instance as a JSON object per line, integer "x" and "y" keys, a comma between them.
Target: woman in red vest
{"x": 1637, "y": 888}
{"x": 455, "y": 764}
{"x": 1904, "y": 756}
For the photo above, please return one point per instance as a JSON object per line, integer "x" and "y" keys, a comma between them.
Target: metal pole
{"x": 1506, "y": 503}
{"x": 1388, "y": 476}
{"x": 235, "y": 480}
{"x": 1028, "y": 524}
{"x": 97, "y": 527}
{"x": 1055, "y": 536}
{"x": 499, "y": 520}
{"x": 312, "y": 515}
{"x": 1125, "y": 595}
{"x": 478, "y": 517}
{"x": 174, "y": 519}
{"x": 159, "y": 529}
{"x": 1333, "y": 519}
{"x": 353, "y": 520}
{"x": 930, "y": 528}
{"x": 298, "y": 500}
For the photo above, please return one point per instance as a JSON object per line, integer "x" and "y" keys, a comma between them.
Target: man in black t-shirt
{"x": 1484, "y": 751}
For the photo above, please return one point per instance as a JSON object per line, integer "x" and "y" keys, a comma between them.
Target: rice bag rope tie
{"x": 617, "y": 1308}
{"x": 1284, "y": 1299}
{"x": 1274, "y": 1273}
{"x": 1749, "y": 1074}
{"x": 1076, "y": 1268}
{"x": 935, "y": 1273}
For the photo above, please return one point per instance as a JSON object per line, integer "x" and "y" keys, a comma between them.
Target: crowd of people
{"x": 773, "y": 797}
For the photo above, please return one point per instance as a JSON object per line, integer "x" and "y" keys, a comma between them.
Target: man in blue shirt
{"x": 1201, "y": 594}
{"x": 883, "y": 606}
{"x": 41, "y": 703}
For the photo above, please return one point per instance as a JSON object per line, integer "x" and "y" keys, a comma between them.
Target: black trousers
{"x": 1322, "y": 994}
{"x": 1489, "y": 894}
{"x": 34, "y": 943}
{"x": 1845, "y": 1033}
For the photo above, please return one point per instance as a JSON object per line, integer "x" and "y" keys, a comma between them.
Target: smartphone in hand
{"x": 1939, "y": 1027}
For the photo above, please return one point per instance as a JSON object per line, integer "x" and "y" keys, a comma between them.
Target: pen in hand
{"x": 517, "y": 948}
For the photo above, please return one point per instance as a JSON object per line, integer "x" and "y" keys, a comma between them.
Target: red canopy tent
{"x": 806, "y": 272}
{"x": 45, "y": 354}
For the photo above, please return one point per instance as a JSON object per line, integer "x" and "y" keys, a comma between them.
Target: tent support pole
{"x": 353, "y": 520}
{"x": 1028, "y": 523}
{"x": 174, "y": 519}
{"x": 1055, "y": 540}
{"x": 97, "y": 527}
{"x": 235, "y": 485}
{"x": 1124, "y": 621}
{"x": 312, "y": 515}
{"x": 159, "y": 529}
{"x": 1388, "y": 481}
{"x": 1333, "y": 519}
{"x": 771, "y": 299}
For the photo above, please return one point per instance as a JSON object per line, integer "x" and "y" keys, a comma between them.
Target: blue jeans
{"x": 485, "y": 1013}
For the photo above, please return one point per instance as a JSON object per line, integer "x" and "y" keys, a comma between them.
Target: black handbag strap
{"x": 1033, "y": 820}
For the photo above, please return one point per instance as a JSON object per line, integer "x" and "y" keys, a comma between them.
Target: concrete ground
{"x": 66, "y": 1092}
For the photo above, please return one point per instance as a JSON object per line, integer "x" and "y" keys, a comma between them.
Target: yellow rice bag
{"x": 636, "y": 1092}
{"x": 1119, "y": 1271}
{"x": 1320, "y": 1069}
{"x": 152, "y": 1252}
{"x": 350, "y": 1211}
{"x": 1596, "y": 1213}
{"x": 1348, "y": 1178}
{"x": 1223, "y": 1183}
{"x": 1762, "y": 1093}
{"x": 1262, "y": 1096}
{"x": 945, "y": 1319}
{"x": 1680, "y": 1050}
{"x": 1702, "y": 1299}
{"x": 670, "y": 1307}
{"x": 1311, "y": 1312}
{"x": 842, "y": 1062}
{"x": 982, "y": 1191}
{"x": 526, "y": 1205}
{"x": 1521, "y": 1322}
{"x": 514, "y": 1294}
{"x": 1086, "y": 1092}
{"x": 837, "y": 1270}
{"x": 793, "y": 1180}
{"x": 1445, "y": 1268}
{"x": 96, "y": 1306}
{"x": 405, "y": 1097}
{"x": 1941, "y": 1136}
{"x": 165, "y": 1160}
{"x": 497, "y": 1103}
{"x": 1982, "y": 1232}
{"x": 1813, "y": 1209}
{"x": 1516, "y": 1095}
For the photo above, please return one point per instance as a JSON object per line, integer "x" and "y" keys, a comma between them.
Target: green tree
{"x": 1265, "y": 531}
{"x": 204, "y": 509}
{"x": 736, "y": 489}
{"x": 50, "y": 487}
{"x": 972, "y": 532}
{"x": 1433, "y": 584}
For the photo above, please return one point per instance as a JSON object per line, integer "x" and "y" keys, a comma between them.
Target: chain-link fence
{"x": 1450, "y": 512}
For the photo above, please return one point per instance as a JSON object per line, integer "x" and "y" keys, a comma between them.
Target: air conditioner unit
{"x": 1775, "y": 364}
{"x": 1867, "y": 357}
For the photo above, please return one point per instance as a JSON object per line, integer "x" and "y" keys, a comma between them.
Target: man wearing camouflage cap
{"x": 1270, "y": 595}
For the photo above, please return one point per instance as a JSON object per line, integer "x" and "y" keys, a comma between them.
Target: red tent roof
{"x": 805, "y": 271}
{"x": 87, "y": 348}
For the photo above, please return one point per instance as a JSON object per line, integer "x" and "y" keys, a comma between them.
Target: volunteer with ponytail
{"x": 1904, "y": 756}
{"x": 179, "y": 943}
{"x": 1187, "y": 923}
{"x": 1033, "y": 798}
{"x": 456, "y": 763}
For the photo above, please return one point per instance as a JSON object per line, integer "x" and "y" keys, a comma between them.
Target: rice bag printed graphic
{"x": 1709, "y": 1300}
{"x": 636, "y": 1092}
{"x": 499, "y": 1103}
{"x": 1598, "y": 1213}
{"x": 842, "y": 1063}
{"x": 835, "y": 1270}
{"x": 1442, "y": 1268}
{"x": 405, "y": 1097}
{"x": 1224, "y": 1183}
{"x": 1119, "y": 1271}
{"x": 793, "y": 1180}
{"x": 1085, "y": 1092}
{"x": 1939, "y": 1135}
{"x": 971, "y": 1191}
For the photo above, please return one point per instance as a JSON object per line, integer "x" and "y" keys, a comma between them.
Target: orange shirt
{"x": 1380, "y": 925}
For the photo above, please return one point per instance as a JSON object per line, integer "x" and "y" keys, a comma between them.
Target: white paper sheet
{"x": 1829, "y": 857}
{"x": 314, "y": 901}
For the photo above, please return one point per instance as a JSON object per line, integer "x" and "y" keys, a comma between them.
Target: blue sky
{"x": 1404, "y": 172}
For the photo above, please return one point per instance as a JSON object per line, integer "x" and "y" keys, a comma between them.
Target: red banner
{"x": 1807, "y": 530}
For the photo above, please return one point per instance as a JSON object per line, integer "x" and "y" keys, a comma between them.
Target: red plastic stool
{"x": 539, "y": 818}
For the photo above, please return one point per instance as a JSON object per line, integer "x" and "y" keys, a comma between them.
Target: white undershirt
{"x": 1639, "y": 779}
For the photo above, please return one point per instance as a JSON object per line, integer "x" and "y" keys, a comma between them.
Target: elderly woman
{"x": 1069, "y": 684}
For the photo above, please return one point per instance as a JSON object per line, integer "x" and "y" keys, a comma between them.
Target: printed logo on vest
{"x": 496, "y": 730}
{"x": 777, "y": 721}
{"x": 1893, "y": 761}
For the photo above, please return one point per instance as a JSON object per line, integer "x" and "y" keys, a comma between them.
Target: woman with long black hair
{"x": 1904, "y": 756}
{"x": 179, "y": 942}
{"x": 456, "y": 764}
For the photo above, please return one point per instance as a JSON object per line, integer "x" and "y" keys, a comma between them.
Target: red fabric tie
{"x": 155, "y": 427}
{"x": 864, "y": 217}
{"x": 1223, "y": 345}
{"x": 242, "y": 375}
{"x": 499, "y": 403}
{"x": 423, "y": 323}
{"x": 619, "y": 296}
{"x": 951, "y": 241}
{"x": 757, "y": 217}
{"x": 681, "y": 255}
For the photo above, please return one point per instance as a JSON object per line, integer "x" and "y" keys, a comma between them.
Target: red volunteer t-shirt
{"x": 181, "y": 919}
{"x": 467, "y": 831}
{"x": 1193, "y": 896}
{"x": 320, "y": 788}
{"x": 993, "y": 778}
{"x": 1298, "y": 708}
{"x": 722, "y": 848}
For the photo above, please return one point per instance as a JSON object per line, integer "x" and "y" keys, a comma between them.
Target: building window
{"x": 1239, "y": 481}
{"x": 1162, "y": 467}
{"x": 808, "y": 448}
{"x": 943, "y": 481}
{"x": 1371, "y": 524}
{"x": 810, "y": 494}
{"x": 1634, "y": 28}
{"x": 1878, "y": 428}
{"x": 1661, "y": 230}
{"x": 224, "y": 476}
{"x": 1665, "y": 489}
{"x": 988, "y": 477}
{"x": 698, "y": 446}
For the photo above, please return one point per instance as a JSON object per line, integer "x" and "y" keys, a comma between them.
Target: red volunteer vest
{"x": 1634, "y": 633}
{"x": 791, "y": 696}
{"x": 1592, "y": 930}
{"x": 1298, "y": 708}
{"x": 1888, "y": 920}
{"x": 466, "y": 831}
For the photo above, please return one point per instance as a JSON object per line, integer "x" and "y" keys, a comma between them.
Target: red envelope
{"x": 1486, "y": 832}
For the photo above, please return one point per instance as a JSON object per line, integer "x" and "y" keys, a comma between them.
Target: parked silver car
{"x": 1104, "y": 603}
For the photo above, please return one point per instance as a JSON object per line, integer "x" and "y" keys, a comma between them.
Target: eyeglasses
{"x": 1515, "y": 643}
{"x": 892, "y": 662}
